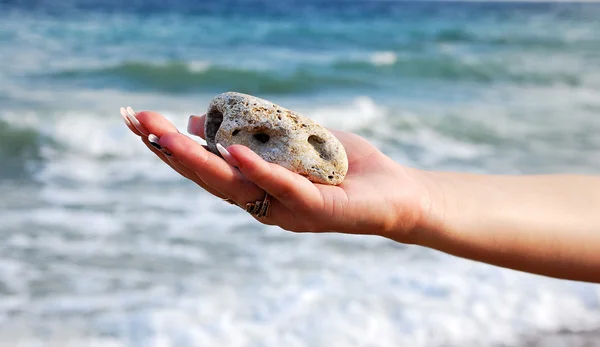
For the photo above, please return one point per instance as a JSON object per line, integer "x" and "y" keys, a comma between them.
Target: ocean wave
{"x": 524, "y": 39}
{"x": 20, "y": 149}
{"x": 370, "y": 72}
{"x": 72, "y": 146}
{"x": 454, "y": 35}
{"x": 455, "y": 68}
{"x": 181, "y": 77}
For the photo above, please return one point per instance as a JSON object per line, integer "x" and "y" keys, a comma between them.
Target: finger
{"x": 196, "y": 125}
{"x": 128, "y": 122}
{"x": 130, "y": 114}
{"x": 189, "y": 174}
{"x": 164, "y": 157}
{"x": 290, "y": 188}
{"x": 211, "y": 169}
{"x": 155, "y": 123}
{"x": 182, "y": 170}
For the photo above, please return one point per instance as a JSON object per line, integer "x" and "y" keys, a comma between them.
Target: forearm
{"x": 548, "y": 225}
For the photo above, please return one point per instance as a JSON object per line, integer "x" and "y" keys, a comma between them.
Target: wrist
{"x": 431, "y": 207}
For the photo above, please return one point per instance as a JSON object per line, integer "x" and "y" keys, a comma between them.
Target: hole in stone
{"x": 262, "y": 137}
{"x": 235, "y": 132}
{"x": 214, "y": 118}
{"x": 319, "y": 145}
{"x": 330, "y": 177}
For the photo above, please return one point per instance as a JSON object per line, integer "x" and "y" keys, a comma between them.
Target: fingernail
{"x": 153, "y": 139}
{"x": 136, "y": 123}
{"x": 193, "y": 126}
{"x": 124, "y": 115}
{"x": 228, "y": 157}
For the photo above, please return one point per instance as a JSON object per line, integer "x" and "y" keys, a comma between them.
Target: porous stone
{"x": 277, "y": 135}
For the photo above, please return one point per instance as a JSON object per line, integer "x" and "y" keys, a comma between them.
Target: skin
{"x": 547, "y": 225}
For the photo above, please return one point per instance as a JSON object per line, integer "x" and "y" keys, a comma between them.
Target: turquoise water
{"x": 101, "y": 244}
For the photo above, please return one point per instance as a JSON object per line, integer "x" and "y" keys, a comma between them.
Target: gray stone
{"x": 277, "y": 135}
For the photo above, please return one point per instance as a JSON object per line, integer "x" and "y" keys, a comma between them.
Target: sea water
{"x": 101, "y": 244}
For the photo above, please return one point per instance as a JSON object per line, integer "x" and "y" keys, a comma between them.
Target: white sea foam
{"x": 359, "y": 112}
{"x": 421, "y": 306}
{"x": 383, "y": 58}
{"x": 199, "y": 66}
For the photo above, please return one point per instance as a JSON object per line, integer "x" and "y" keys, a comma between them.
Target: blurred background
{"x": 102, "y": 245}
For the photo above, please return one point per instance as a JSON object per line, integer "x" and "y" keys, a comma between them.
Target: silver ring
{"x": 260, "y": 209}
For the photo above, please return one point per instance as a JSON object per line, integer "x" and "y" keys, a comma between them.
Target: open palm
{"x": 378, "y": 196}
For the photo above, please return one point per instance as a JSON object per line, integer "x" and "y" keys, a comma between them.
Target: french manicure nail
{"x": 130, "y": 111}
{"x": 136, "y": 123}
{"x": 124, "y": 115}
{"x": 228, "y": 157}
{"x": 153, "y": 139}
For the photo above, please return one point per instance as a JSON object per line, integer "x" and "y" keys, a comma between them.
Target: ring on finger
{"x": 260, "y": 208}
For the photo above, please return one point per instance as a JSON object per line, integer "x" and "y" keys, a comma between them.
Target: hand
{"x": 377, "y": 197}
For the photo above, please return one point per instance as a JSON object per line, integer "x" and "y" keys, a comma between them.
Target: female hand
{"x": 547, "y": 224}
{"x": 377, "y": 197}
